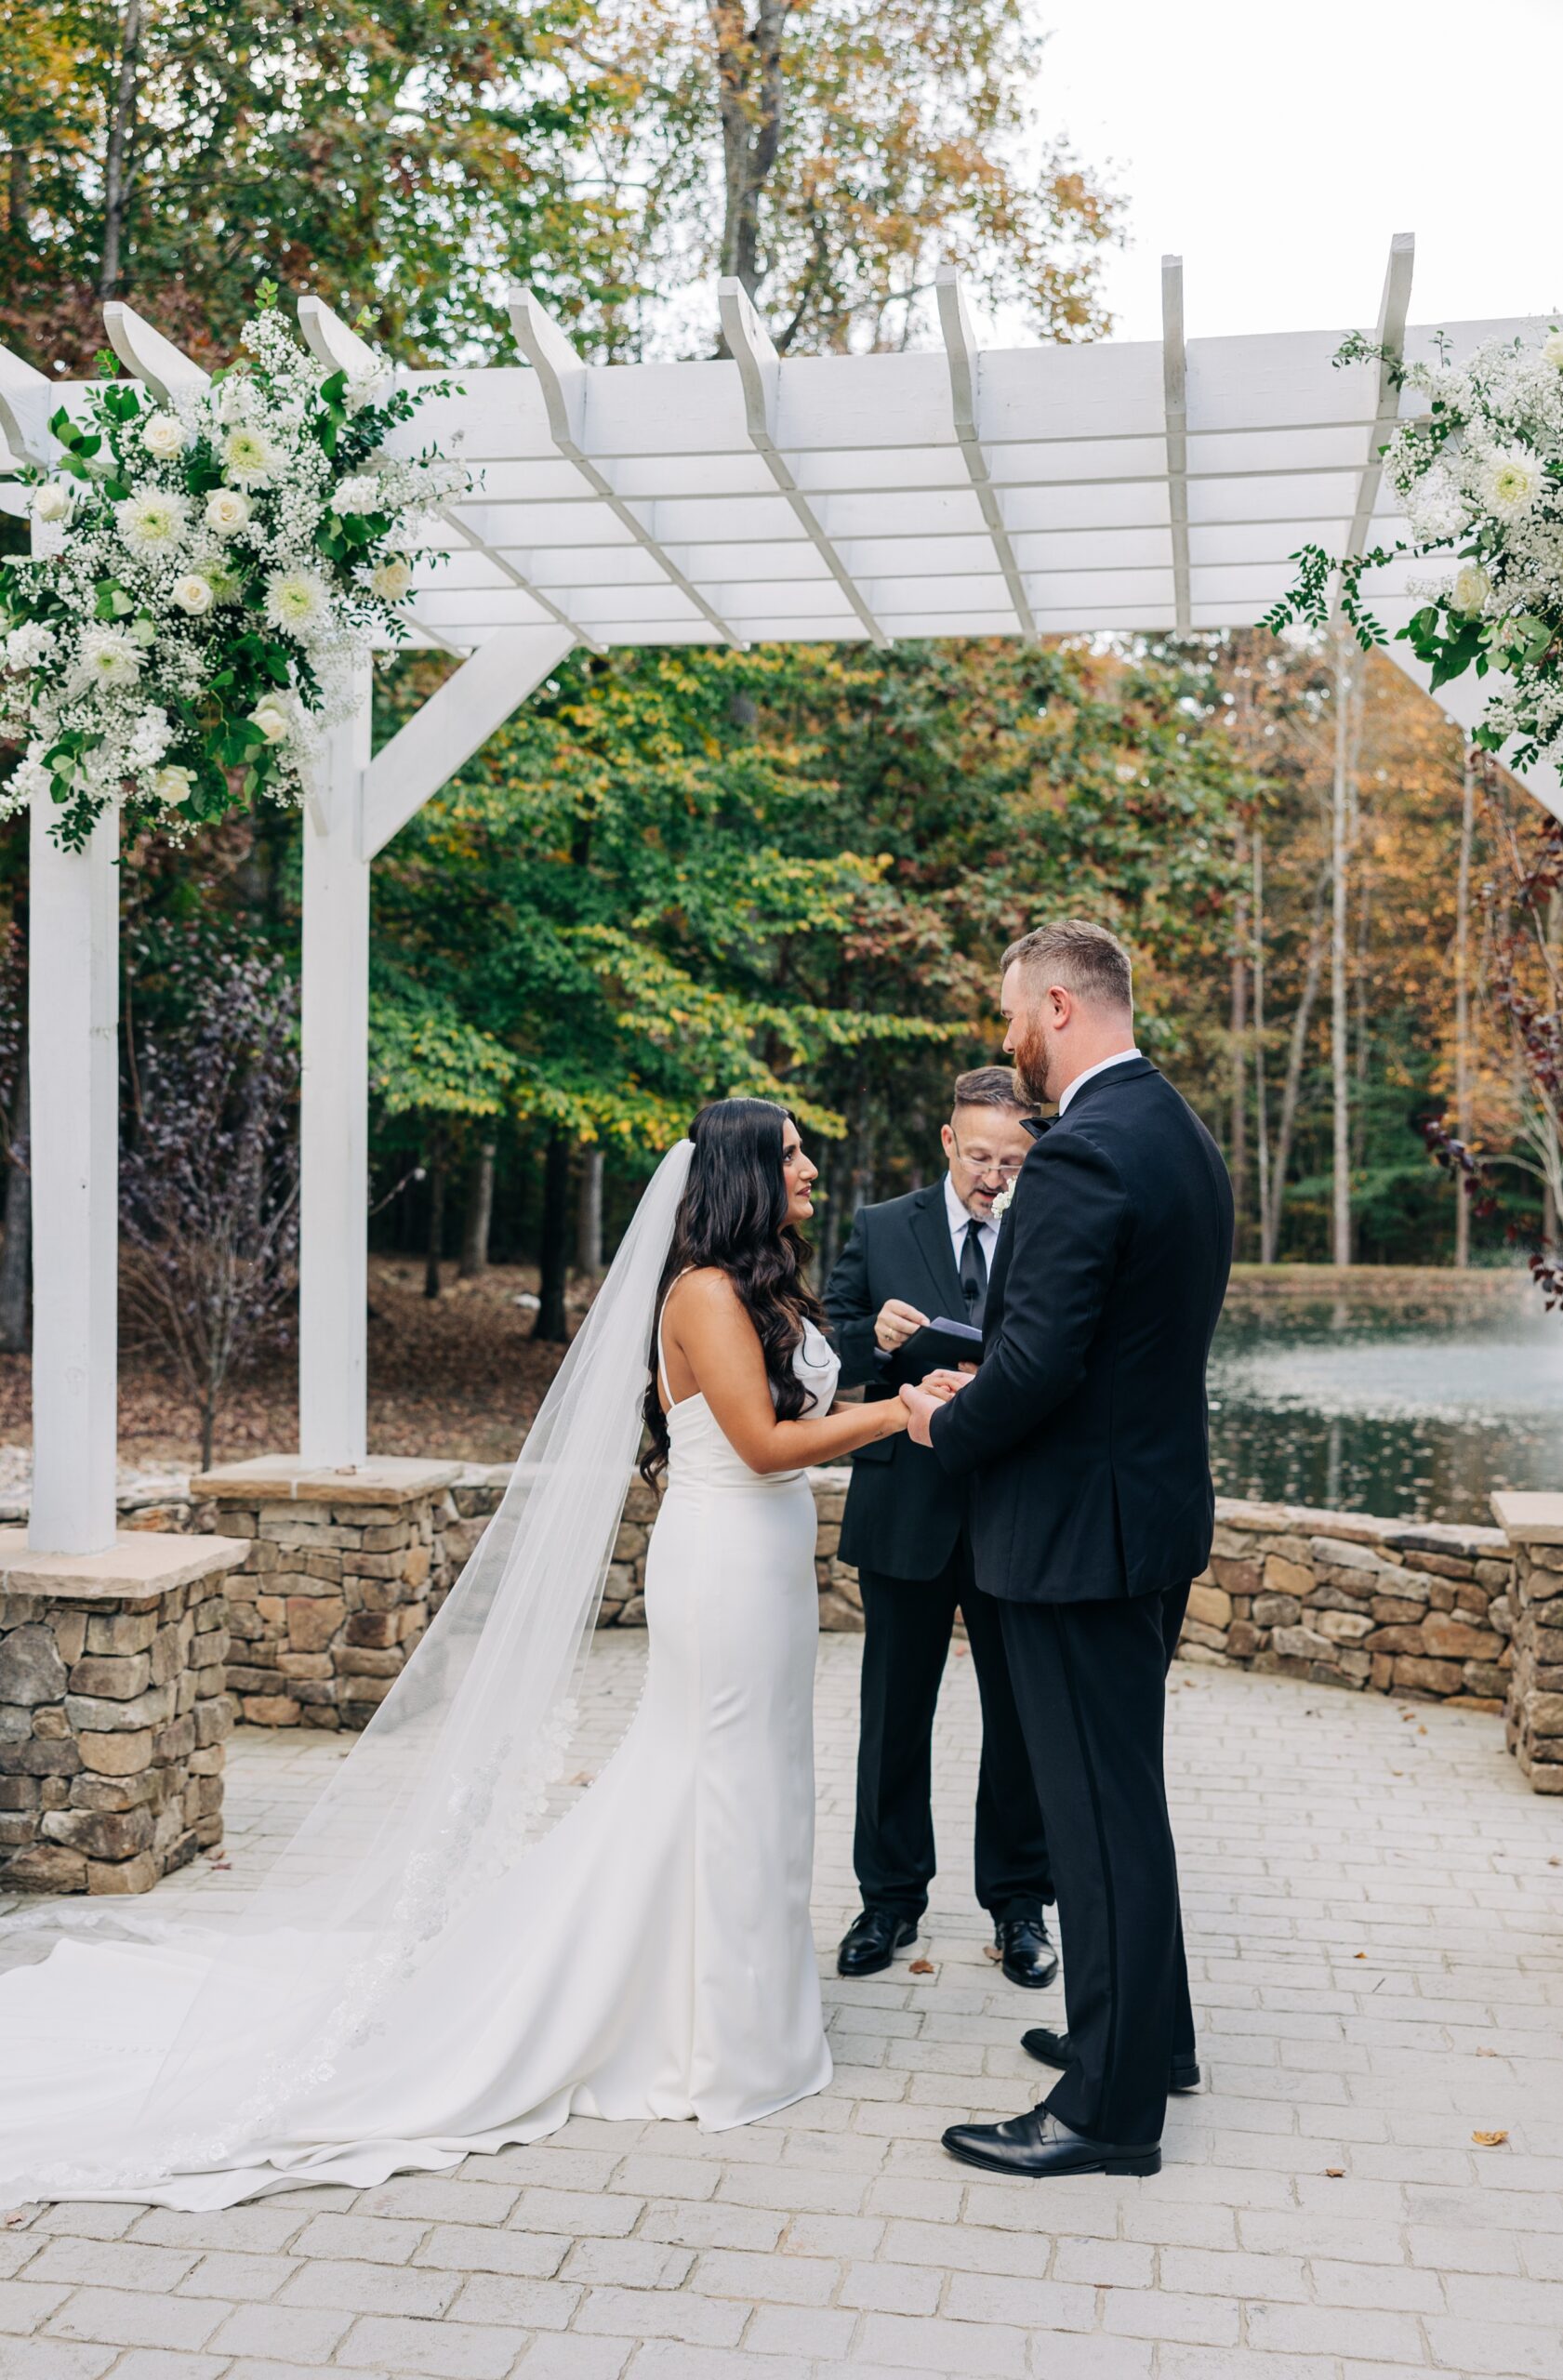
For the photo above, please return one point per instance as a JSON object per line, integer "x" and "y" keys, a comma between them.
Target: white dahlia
{"x": 1512, "y": 480}
{"x": 110, "y": 659}
{"x": 298, "y": 601}
{"x": 249, "y": 457}
{"x": 152, "y": 522}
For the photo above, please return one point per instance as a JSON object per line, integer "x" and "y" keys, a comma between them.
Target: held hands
{"x": 894, "y": 1324}
{"x": 924, "y": 1402}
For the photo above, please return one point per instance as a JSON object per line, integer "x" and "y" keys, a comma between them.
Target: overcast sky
{"x": 1276, "y": 149}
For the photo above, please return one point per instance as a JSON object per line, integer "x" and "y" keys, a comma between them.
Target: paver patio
{"x": 1374, "y": 1905}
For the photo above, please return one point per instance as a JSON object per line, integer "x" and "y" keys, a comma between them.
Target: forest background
{"x": 684, "y": 872}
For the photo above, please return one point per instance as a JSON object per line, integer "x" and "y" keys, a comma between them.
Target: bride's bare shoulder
{"x": 703, "y": 1297}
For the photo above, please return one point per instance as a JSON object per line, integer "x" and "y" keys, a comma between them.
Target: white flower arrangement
{"x": 1479, "y": 475}
{"x": 1001, "y": 1206}
{"x": 213, "y": 573}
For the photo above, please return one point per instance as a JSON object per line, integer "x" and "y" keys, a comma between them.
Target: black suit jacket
{"x": 1084, "y": 1432}
{"x": 903, "y": 1512}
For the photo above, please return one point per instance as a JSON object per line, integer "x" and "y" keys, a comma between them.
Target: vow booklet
{"x": 941, "y": 1345}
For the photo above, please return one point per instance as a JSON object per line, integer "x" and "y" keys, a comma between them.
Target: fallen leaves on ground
{"x": 1489, "y": 2140}
{"x": 922, "y": 1966}
{"x": 1334, "y": 2173}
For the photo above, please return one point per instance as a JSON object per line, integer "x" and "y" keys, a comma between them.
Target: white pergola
{"x": 1032, "y": 492}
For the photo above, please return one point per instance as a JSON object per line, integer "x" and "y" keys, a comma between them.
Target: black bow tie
{"x": 1037, "y": 1125}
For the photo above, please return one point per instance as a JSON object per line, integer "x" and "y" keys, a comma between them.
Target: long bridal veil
{"x": 445, "y": 1789}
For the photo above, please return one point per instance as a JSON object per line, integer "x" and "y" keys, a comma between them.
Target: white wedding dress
{"x": 650, "y": 1956}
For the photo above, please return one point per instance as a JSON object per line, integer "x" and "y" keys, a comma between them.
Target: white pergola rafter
{"x": 960, "y": 349}
{"x": 749, "y": 343}
{"x": 1114, "y": 488}
{"x": 565, "y": 379}
{"x": 1175, "y": 385}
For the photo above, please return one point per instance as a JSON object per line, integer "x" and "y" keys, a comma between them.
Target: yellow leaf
{"x": 1489, "y": 2140}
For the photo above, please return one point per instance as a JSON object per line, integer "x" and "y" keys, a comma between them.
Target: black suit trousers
{"x": 1090, "y": 1683}
{"x": 907, "y": 1635}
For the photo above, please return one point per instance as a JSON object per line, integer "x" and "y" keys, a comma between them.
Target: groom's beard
{"x": 1030, "y": 1055}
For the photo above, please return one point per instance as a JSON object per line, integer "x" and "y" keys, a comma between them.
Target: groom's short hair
{"x": 992, "y": 1086}
{"x": 1085, "y": 959}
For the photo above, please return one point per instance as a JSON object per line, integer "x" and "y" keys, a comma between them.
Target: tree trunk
{"x": 588, "y": 1214}
{"x": 1293, "y": 1087}
{"x": 118, "y": 163}
{"x": 750, "y": 98}
{"x": 1462, "y": 1007}
{"x": 1236, "y": 1139}
{"x": 1340, "y": 1052}
{"x": 436, "y": 1216}
{"x": 1261, "y": 1099}
{"x": 479, "y": 1215}
{"x": 16, "y": 1256}
{"x": 551, "y": 1324}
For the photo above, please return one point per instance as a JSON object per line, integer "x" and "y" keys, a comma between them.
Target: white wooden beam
{"x": 564, "y": 380}
{"x": 1393, "y": 307}
{"x": 1174, "y": 384}
{"x": 27, "y": 399}
{"x": 451, "y": 725}
{"x": 334, "y": 1109}
{"x": 961, "y": 350}
{"x": 73, "y": 1065}
{"x": 165, "y": 368}
{"x": 751, "y": 347}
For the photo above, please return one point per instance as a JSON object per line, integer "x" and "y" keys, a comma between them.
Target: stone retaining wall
{"x": 1533, "y": 1723}
{"x": 1343, "y": 1599}
{"x": 113, "y": 1712}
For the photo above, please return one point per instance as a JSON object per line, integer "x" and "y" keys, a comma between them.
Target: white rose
{"x": 1551, "y": 348}
{"x": 53, "y": 501}
{"x": 393, "y": 579}
{"x": 227, "y": 510}
{"x": 172, "y": 786}
{"x": 194, "y": 595}
{"x": 272, "y": 719}
{"x": 163, "y": 437}
{"x": 1471, "y": 588}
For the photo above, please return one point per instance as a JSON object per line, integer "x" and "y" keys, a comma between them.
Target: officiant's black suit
{"x": 905, "y": 1532}
{"x": 1085, "y": 1443}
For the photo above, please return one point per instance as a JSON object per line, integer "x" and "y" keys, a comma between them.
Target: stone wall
{"x": 113, "y": 1712}
{"x": 1534, "y": 1719}
{"x": 1343, "y": 1599}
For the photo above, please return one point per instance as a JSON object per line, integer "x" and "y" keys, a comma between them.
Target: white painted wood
{"x": 961, "y": 352}
{"x": 334, "y": 1111}
{"x": 166, "y": 369}
{"x": 451, "y": 725}
{"x": 1391, "y": 336}
{"x": 759, "y": 372}
{"x": 27, "y": 399}
{"x": 564, "y": 380}
{"x": 1175, "y": 385}
{"x": 73, "y": 1026}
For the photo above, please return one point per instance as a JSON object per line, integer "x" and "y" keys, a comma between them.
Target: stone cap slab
{"x": 139, "y": 1566}
{"x": 1529, "y": 1516}
{"x": 288, "y": 1479}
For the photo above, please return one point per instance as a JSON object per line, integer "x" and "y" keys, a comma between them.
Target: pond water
{"x": 1394, "y": 1392}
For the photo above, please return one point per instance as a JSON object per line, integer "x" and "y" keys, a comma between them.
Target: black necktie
{"x": 973, "y": 1274}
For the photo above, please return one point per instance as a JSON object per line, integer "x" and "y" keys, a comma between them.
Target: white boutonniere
{"x": 1001, "y": 1206}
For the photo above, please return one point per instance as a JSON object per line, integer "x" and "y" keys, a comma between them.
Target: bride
{"x": 439, "y": 1963}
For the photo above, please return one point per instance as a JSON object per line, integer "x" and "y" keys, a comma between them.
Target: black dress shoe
{"x": 1037, "y": 2145}
{"x": 1026, "y": 1954}
{"x": 872, "y": 1940}
{"x": 1052, "y": 2049}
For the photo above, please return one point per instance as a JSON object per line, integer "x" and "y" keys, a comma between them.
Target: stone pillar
{"x": 1533, "y": 1720}
{"x": 113, "y": 1710}
{"x": 342, "y": 1571}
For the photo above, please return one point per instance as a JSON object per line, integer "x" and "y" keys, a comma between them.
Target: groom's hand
{"x": 920, "y": 1409}
{"x": 945, "y": 1384}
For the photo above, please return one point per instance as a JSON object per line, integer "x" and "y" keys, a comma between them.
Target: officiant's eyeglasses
{"x": 1006, "y": 1168}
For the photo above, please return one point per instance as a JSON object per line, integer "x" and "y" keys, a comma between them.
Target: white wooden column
{"x": 74, "y": 1058}
{"x": 334, "y": 1119}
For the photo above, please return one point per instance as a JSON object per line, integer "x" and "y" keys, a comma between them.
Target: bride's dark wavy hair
{"x": 733, "y": 1214}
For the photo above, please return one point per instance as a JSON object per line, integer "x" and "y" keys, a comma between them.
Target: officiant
{"x": 912, "y": 1260}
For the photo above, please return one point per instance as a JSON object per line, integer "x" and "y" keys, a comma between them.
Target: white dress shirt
{"x": 958, "y": 1222}
{"x": 1119, "y": 1058}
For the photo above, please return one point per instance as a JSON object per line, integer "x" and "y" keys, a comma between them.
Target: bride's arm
{"x": 705, "y": 1323}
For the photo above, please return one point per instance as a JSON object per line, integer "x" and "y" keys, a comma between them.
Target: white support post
{"x": 334, "y": 1117}
{"x": 73, "y": 1057}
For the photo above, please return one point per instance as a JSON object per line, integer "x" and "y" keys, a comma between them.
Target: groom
{"x": 1084, "y": 1435}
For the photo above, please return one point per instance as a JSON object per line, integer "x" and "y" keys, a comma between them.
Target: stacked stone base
{"x": 342, "y": 1572}
{"x": 113, "y": 1711}
{"x": 1533, "y": 1723}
